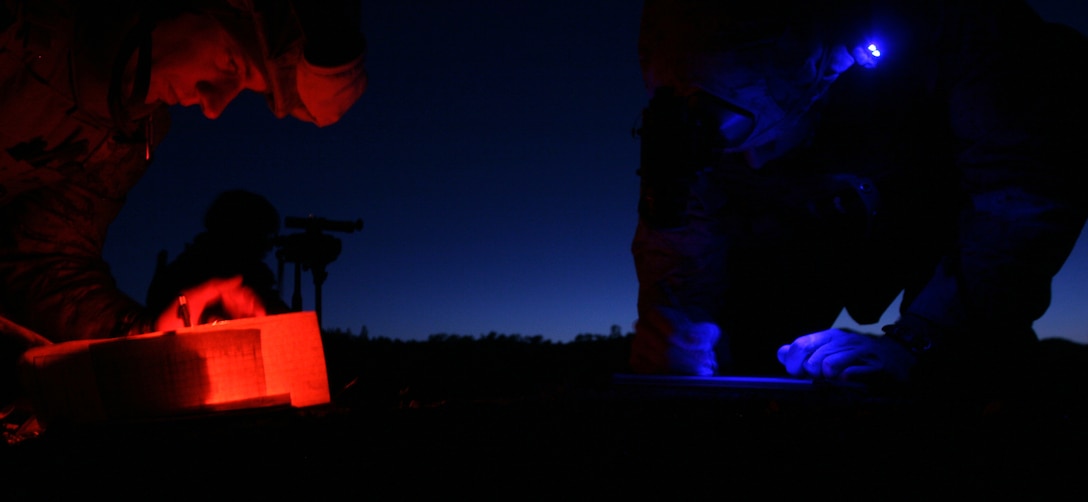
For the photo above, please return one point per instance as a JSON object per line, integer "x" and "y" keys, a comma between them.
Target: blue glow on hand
{"x": 873, "y": 50}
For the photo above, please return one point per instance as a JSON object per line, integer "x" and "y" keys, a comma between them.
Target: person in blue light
{"x": 800, "y": 157}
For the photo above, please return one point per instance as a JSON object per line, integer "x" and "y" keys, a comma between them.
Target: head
{"x": 244, "y": 218}
{"x": 206, "y": 52}
{"x": 196, "y": 62}
{"x": 769, "y": 61}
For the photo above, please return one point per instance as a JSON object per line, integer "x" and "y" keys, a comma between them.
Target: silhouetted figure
{"x": 239, "y": 231}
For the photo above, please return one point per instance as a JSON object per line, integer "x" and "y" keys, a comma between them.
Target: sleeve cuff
{"x": 916, "y": 334}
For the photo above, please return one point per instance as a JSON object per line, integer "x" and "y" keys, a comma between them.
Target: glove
{"x": 838, "y": 354}
{"x": 670, "y": 342}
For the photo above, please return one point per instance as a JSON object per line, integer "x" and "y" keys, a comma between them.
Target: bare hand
{"x": 844, "y": 355}
{"x": 213, "y": 300}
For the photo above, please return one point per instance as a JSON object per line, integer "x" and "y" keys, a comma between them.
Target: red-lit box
{"x": 239, "y": 364}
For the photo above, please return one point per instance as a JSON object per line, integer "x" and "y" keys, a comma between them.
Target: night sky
{"x": 491, "y": 160}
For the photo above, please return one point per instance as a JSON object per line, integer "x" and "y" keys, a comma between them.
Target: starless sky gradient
{"x": 491, "y": 160}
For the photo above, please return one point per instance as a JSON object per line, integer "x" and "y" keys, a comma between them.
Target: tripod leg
{"x": 296, "y": 297}
{"x": 319, "y": 278}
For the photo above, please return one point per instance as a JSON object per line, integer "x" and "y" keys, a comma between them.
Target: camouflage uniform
{"x": 65, "y": 167}
{"x": 77, "y": 136}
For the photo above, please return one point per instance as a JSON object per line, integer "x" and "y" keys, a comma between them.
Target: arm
{"x": 1014, "y": 95}
{"x": 55, "y": 281}
{"x": 1018, "y": 111}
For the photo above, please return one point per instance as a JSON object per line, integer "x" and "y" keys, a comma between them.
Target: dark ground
{"x": 509, "y": 417}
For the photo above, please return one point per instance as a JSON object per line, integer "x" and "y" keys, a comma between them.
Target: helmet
{"x": 279, "y": 37}
{"x": 242, "y": 215}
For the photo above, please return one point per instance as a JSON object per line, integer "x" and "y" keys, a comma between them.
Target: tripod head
{"x": 312, "y": 250}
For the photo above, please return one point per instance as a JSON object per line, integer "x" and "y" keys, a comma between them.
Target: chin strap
{"x": 138, "y": 41}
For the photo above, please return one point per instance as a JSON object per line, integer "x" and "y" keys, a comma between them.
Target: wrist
{"x": 133, "y": 323}
{"x": 915, "y": 334}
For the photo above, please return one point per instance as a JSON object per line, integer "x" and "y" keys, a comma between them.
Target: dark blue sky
{"x": 491, "y": 159}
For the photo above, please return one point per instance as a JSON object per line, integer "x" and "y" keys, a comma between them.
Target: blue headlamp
{"x": 867, "y": 56}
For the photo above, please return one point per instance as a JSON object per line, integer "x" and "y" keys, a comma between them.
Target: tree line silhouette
{"x": 447, "y": 366}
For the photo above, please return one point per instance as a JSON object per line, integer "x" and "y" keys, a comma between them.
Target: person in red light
{"x": 800, "y": 158}
{"x": 85, "y": 89}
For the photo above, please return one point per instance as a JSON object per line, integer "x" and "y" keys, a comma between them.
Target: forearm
{"x": 54, "y": 279}
{"x": 995, "y": 282}
{"x": 1023, "y": 204}
{"x": 64, "y": 298}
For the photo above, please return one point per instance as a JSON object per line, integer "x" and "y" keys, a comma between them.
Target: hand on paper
{"x": 213, "y": 300}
